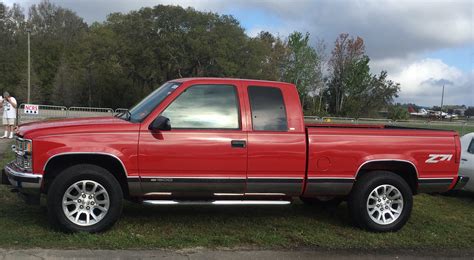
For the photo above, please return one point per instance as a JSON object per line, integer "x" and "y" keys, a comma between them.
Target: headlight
{"x": 24, "y": 150}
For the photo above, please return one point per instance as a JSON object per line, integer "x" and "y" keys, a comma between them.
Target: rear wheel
{"x": 84, "y": 198}
{"x": 381, "y": 201}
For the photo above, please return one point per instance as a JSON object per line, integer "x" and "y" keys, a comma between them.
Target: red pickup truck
{"x": 227, "y": 141}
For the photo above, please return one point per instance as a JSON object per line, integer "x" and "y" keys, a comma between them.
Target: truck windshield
{"x": 144, "y": 107}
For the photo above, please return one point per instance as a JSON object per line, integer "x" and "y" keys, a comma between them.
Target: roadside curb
{"x": 200, "y": 253}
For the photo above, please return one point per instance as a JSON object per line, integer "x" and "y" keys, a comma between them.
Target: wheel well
{"x": 57, "y": 164}
{"x": 405, "y": 170}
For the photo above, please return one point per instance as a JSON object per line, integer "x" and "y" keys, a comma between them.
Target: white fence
{"x": 89, "y": 111}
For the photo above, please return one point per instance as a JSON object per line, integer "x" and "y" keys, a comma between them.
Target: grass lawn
{"x": 437, "y": 222}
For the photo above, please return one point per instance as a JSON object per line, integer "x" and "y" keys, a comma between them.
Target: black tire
{"x": 359, "y": 197}
{"x": 70, "y": 176}
{"x": 325, "y": 202}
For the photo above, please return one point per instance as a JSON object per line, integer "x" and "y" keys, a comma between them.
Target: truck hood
{"x": 73, "y": 126}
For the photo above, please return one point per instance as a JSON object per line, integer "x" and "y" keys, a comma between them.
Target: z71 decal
{"x": 436, "y": 158}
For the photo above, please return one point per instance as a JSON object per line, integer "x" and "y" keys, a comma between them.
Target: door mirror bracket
{"x": 160, "y": 123}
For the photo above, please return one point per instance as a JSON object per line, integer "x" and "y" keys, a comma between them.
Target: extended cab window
{"x": 268, "y": 109}
{"x": 205, "y": 107}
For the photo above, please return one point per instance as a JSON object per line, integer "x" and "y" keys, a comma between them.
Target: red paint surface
{"x": 340, "y": 149}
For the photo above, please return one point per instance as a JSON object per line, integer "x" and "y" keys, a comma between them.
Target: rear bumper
{"x": 25, "y": 182}
{"x": 461, "y": 182}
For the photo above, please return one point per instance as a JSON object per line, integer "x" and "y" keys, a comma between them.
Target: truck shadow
{"x": 337, "y": 216}
{"x": 462, "y": 194}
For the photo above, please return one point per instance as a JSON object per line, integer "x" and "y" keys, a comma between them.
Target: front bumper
{"x": 25, "y": 182}
{"x": 461, "y": 182}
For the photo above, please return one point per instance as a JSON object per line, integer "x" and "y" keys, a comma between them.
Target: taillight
{"x": 457, "y": 144}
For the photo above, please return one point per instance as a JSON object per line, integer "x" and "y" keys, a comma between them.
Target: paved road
{"x": 198, "y": 254}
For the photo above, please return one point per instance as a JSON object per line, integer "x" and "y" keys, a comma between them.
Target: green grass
{"x": 437, "y": 222}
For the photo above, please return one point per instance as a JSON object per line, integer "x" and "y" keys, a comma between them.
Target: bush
{"x": 398, "y": 113}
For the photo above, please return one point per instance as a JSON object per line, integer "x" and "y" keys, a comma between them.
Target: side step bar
{"x": 216, "y": 202}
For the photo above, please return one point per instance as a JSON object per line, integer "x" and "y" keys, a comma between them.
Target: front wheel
{"x": 84, "y": 198}
{"x": 381, "y": 201}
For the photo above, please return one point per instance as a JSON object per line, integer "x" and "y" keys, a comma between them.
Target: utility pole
{"x": 29, "y": 66}
{"x": 442, "y": 99}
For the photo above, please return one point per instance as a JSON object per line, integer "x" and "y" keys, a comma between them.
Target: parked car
{"x": 467, "y": 160}
{"x": 227, "y": 141}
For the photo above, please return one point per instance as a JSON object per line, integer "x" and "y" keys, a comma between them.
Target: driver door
{"x": 204, "y": 153}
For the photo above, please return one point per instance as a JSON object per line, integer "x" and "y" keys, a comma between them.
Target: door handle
{"x": 238, "y": 143}
{"x": 464, "y": 159}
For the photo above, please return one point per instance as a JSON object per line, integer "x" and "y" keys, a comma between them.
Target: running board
{"x": 216, "y": 202}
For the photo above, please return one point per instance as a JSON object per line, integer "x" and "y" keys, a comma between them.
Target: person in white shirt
{"x": 9, "y": 114}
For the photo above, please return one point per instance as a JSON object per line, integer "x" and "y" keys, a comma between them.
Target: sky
{"x": 423, "y": 44}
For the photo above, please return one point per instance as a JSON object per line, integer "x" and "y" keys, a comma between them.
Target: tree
{"x": 353, "y": 90}
{"x": 303, "y": 66}
{"x": 346, "y": 54}
{"x": 55, "y": 35}
{"x": 398, "y": 112}
{"x": 13, "y": 58}
{"x": 469, "y": 111}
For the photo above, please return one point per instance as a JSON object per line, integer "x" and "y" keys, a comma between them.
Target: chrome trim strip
{"x": 331, "y": 178}
{"x": 217, "y": 202}
{"x": 228, "y": 194}
{"x": 276, "y": 181}
{"x": 158, "y": 194}
{"x": 265, "y": 194}
{"x": 191, "y": 177}
{"x": 442, "y": 178}
{"x": 270, "y": 177}
{"x": 386, "y": 160}
{"x": 22, "y": 176}
{"x": 77, "y": 153}
{"x": 192, "y": 180}
{"x": 249, "y": 194}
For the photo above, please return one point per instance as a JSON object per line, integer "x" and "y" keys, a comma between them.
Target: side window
{"x": 470, "y": 149}
{"x": 205, "y": 107}
{"x": 268, "y": 109}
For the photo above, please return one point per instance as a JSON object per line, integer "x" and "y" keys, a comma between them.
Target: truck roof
{"x": 229, "y": 80}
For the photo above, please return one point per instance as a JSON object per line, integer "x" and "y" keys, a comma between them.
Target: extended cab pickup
{"x": 227, "y": 141}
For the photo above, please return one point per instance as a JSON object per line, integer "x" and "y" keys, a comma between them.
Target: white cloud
{"x": 421, "y": 83}
{"x": 391, "y": 29}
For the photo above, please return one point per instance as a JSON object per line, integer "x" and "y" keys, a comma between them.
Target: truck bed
{"x": 337, "y": 153}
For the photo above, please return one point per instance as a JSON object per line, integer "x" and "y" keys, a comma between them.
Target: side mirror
{"x": 160, "y": 123}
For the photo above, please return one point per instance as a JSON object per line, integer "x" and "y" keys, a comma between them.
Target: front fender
{"x": 120, "y": 146}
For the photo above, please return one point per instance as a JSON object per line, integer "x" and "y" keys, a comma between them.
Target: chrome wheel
{"x": 385, "y": 204}
{"x": 85, "y": 203}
